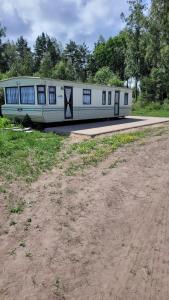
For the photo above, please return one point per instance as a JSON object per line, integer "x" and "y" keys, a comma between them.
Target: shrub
{"x": 116, "y": 81}
{"x": 5, "y": 122}
{"x": 166, "y": 104}
{"x": 148, "y": 89}
{"x": 103, "y": 75}
{"x": 154, "y": 106}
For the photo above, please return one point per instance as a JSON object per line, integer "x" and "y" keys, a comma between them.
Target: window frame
{"x": 50, "y": 86}
{"x": 26, "y": 86}
{"x": 109, "y": 97}
{"x": 12, "y": 87}
{"x": 86, "y": 94}
{"x": 104, "y": 100}
{"x": 41, "y": 85}
{"x": 127, "y": 98}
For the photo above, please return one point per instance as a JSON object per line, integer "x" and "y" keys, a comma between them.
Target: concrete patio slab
{"x": 93, "y": 129}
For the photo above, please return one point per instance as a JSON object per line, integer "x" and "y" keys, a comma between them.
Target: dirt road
{"x": 100, "y": 236}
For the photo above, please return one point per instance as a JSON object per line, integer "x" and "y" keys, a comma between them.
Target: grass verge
{"x": 93, "y": 151}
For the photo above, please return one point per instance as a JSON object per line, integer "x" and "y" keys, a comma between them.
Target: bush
{"x": 154, "y": 106}
{"x": 116, "y": 81}
{"x": 148, "y": 89}
{"x": 155, "y": 87}
{"x": 107, "y": 77}
{"x": 5, "y": 122}
{"x": 150, "y": 106}
{"x": 103, "y": 75}
{"x": 166, "y": 104}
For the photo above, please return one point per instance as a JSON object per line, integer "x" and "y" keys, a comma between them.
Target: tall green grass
{"x": 154, "y": 109}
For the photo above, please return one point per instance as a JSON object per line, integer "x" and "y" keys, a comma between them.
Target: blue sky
{"x": 80, "y": 20}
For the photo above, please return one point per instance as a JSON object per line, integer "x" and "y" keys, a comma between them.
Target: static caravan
{"x": 50, "y": 100}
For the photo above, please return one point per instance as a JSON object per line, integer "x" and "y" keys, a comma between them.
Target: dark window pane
{"x": 41, "y": 95}
{"x": 104, "y": 98}
{"x": 109, "y": 98}
{"x": 52, "y": 95}
{"x": 126, "y": 98}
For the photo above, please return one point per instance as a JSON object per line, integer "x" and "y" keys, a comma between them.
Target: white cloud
{"x": 81, "y": 20}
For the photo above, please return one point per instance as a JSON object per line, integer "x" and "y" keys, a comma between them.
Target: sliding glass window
{"x": 27, "y": 95}
{"x": 12, "y": 95}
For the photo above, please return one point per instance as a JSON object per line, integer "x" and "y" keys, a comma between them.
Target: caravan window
{"x": 126, "y": 100}
{"x": 41, "y": 94}
{"x": 52, "y": 95}
{"x": 104, "y": 98}
{"x": 109, "y": 98}
{"x": 12, "y": 95}
{"x": 87, "y": 96}
{"x": 27, "y": 95}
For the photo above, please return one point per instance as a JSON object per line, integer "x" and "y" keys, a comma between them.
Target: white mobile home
{"x": 50, "y": 100}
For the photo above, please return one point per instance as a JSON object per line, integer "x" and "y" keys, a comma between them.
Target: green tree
{"x": 10, "y": 55}
{"x": 77, "y": 56}
{"x": 103, "y": 75}
{"x": 39, "y": 49}
{"x": 64, "y": 70}
{"x": 24, "y": 61}
{"x": 135, "y": 38}
{"x": 98, "y": 58}
{"x": 22, "y": 47}
{"x": 157, "y": 52}
{"x": 116, "y": 81}
{"x": 2, "y": 61}
{"x": 46, "y": 66}
{"x": 45, "y": 44}
{"x": 109, "y": 53}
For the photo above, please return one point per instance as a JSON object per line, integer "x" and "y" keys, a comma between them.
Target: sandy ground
{"x": 103, "y": 235}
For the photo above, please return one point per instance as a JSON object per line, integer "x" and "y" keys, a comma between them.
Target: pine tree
{"x": 45, "y": 44}
{"x": 22, "y": 47}
{"x": 2, "y": 61}
{"x": 77, "y": 56}
{"x": 39, "y": 49}
{"x": 46, "y": 66}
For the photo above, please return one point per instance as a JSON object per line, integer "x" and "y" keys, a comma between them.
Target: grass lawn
{"x": 27, "y": 155}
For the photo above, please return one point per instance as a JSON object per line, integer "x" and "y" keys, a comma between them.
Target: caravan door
{"x": 68, "y": 102}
